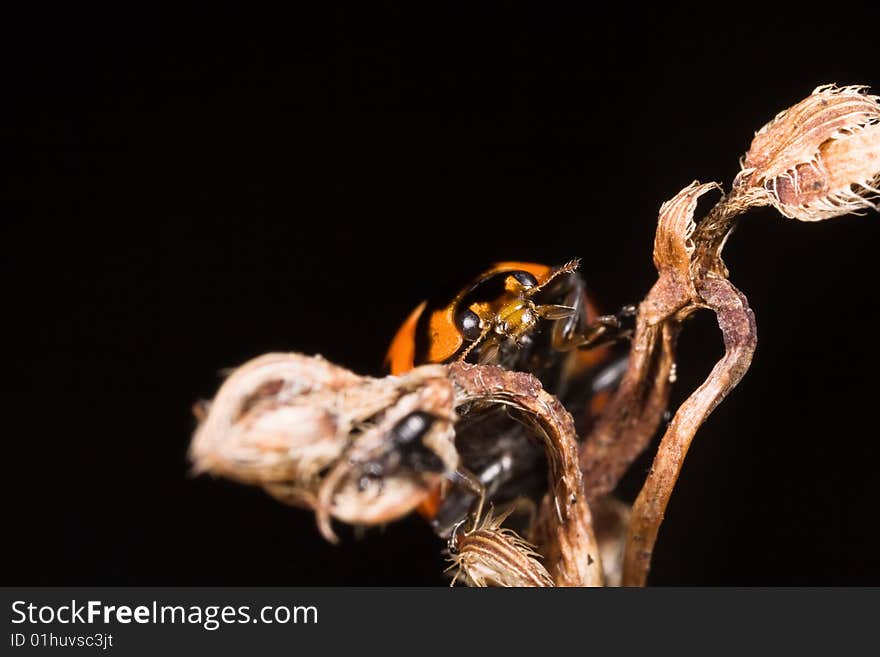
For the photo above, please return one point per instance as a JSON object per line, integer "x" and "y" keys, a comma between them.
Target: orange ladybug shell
{"x": 445, "y": 338}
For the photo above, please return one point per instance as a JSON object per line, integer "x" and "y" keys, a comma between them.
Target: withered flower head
{"x": 819, "y": 158}
{"x": 314, "y": 434}
{"x": 263, "y": 426}
{"x": 490, "y": 555}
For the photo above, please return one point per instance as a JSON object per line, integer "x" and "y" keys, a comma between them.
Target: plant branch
{"x": 737, "y": 323}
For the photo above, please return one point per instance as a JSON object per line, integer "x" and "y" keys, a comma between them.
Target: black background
{"x": 193, "y": 188}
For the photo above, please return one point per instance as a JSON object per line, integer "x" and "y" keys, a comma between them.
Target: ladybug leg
{"x": 607, "y": 329}
{"x": 577, "y": 331}
{"x": 471, "y": 483}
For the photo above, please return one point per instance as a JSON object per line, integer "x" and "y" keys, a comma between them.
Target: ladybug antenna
{"x": 473, "y": 344}
{"x": 568, "y": 268}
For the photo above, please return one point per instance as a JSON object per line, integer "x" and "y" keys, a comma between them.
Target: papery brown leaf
{"x": 564, "y": 532}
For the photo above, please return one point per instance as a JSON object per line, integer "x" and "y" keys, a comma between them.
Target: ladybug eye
{"x": 469, "y": 324}
{"x": 525, "y": 279}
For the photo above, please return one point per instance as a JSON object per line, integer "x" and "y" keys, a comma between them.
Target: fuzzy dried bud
{"x": 819, "y": 158}
{"x": 313, "y": 434}
{"x": 262, "y": 427}
{"x": 490, "y": 555}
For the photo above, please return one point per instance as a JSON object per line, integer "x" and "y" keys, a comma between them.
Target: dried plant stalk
{"x": 814, "y": 161}
{"x": 637, "y": 407}
{"x": 737, "y": 323}
{"x": 627, "y": 428}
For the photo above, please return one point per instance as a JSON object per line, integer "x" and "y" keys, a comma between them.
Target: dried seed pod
{"x": 820, "y": 158}
{"x": 316, "y": 435}
{"x": 490, "y": 555}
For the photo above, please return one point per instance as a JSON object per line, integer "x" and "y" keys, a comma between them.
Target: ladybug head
{"x": 511, "y": 318}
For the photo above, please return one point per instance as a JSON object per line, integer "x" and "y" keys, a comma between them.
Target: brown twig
{"x": 691, "y": 277}
{"x": 814, "y": 161}
{"x": 637, "y": 407}
{"x": 737, "y": 324}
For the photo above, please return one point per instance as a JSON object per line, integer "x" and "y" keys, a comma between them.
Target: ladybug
{"x": 520, "y": 316}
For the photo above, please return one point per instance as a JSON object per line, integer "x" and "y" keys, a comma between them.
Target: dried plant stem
{"x": 814, "y": 161}
{"x": 737, "y": 323}
{"x": 691, "y": 276}
{"x": 635, "y": 411}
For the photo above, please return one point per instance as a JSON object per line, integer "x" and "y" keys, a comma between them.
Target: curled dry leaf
{"x": 490, "y": 555}
{"x": 820, "y": 158}
{"x": 564, "y": 527}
